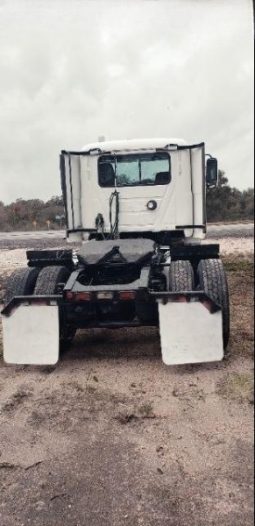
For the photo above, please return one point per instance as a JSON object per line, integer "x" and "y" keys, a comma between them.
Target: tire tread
{"x": 181, "y": 276}
{"x": 21, "y": 283}
{"x": 213, "y": 280}
{"x": 49, "y": 278}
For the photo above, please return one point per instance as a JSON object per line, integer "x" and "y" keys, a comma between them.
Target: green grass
{"x": 238, "y": 264}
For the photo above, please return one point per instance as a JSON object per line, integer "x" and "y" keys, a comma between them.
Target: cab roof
{"x": 133, "y": 144}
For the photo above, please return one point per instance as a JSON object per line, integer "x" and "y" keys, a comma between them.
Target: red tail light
{"x": 78, "y": 296}
{"x": 127, "y": 295}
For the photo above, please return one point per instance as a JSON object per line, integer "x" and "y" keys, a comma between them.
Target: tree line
{"x": 29, "y": 214}
{"x": 224, "y": 203}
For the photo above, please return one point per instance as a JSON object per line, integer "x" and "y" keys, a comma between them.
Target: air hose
{"x": 114, "y": 217}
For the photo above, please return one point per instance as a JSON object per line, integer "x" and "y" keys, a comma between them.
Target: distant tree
{"x": 53, "y": 209}
{"x": 225, "y": 203}
{"x": 3, "y": 216}
{"x": 222, "y": 179}
{"x": 247, "y": 204}
{"x": 56, "y": 200}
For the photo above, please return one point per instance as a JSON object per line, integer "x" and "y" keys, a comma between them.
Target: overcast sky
{"x": 71, "y": 71}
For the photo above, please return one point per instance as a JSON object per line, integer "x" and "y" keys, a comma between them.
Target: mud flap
{"x": 31, "y": 335}
{"x": 190, "y": 333}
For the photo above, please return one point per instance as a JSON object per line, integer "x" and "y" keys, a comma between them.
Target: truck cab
{"x": 152, "y": 187}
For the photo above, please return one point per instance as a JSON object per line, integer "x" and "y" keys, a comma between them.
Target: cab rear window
{"x": 134, "y": 169}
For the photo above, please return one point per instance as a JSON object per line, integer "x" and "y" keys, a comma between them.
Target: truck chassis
{"x": 117, "y": 283}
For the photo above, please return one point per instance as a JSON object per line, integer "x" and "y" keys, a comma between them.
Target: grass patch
{"x": 237, "y": 386}
{"x": 238, "y": 264}
{"x": 240, "y": 271}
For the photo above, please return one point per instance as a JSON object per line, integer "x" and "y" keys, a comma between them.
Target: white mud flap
{"x": 31, "y": 335}
{"x": 189, "y": 333}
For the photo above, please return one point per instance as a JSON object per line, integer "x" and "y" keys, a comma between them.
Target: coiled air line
{"x": 114, "y": 221}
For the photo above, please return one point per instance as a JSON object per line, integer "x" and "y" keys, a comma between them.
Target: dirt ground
{"x": 112, "y": 437}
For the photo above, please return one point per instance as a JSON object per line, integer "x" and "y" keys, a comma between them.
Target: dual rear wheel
{"x": 211, "y": 278}
{"x": 45, "y": 282}
{"x": 21, "y": 283}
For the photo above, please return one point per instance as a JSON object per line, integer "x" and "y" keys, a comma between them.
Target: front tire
{"x": 213, "y": 280}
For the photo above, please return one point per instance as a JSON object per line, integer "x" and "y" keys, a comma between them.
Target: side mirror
{"x": 211, "y": 172}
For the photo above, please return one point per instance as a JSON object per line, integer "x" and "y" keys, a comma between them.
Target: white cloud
{"x": 71, "y": 71}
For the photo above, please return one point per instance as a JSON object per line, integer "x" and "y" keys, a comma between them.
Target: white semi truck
{"x": 138, "y": 210}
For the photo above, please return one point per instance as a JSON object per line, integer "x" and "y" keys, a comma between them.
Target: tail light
{"x": 127, "y": 295}
{"x": 78, "y": 296}
{"x": 123, "y": 295}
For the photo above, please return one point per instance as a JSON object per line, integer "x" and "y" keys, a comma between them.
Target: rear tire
{"x": 21, "y": 283}
{"x": 47, "y": 284}
{"x": 181, "y": 276}
{"x": 49, "y": 279}
{"x": 213, "y": 280}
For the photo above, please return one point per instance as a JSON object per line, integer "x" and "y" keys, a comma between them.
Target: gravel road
{"x": 217, "y": 230}
{"x": 231, "y": 230}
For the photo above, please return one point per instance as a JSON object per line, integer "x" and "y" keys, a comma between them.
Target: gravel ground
{"x": 239, "y": 230}
{"x": 112, "y": 437}
{"x": 234, "y": 245}
{"x": 13, "y": 258}
{"x": 54, "y": 238}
